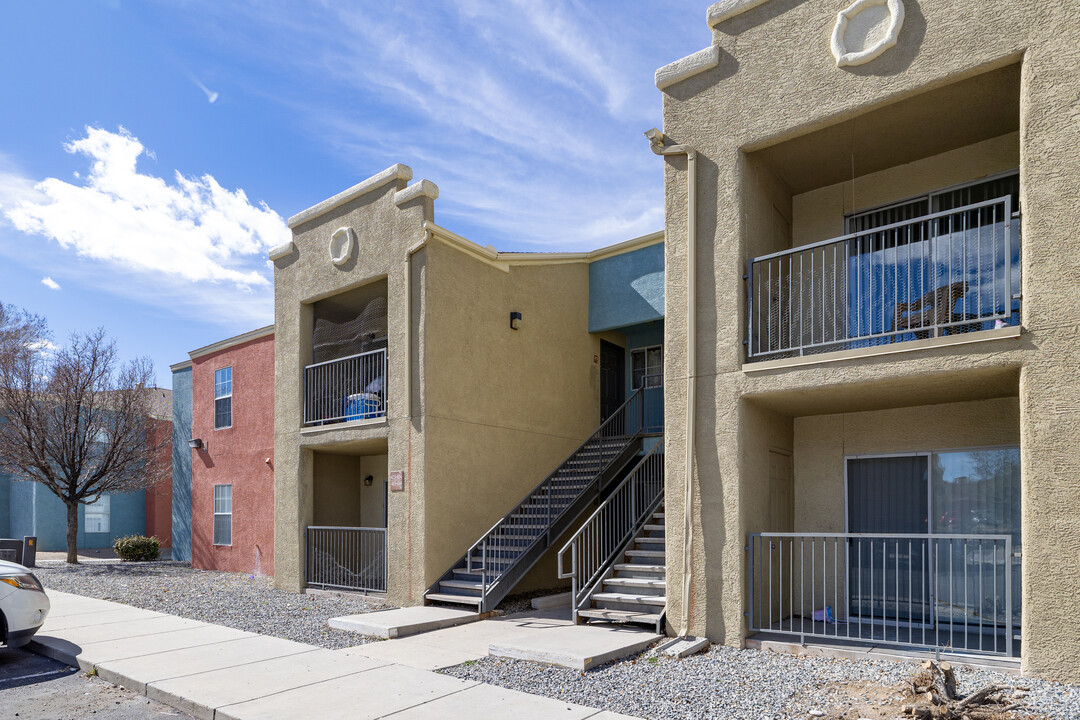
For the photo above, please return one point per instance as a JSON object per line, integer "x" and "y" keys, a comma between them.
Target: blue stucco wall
{"x": 5, "y": 506}
{"x": 127, "y": 516}
{"x": 22, "y": 520}
{"x": 181, "y": 466}
{"x": 29, "y": 508}
{"x": 627, "y": 289}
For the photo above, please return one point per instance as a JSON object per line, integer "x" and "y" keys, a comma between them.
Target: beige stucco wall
{"x": 776, "y": 80}
{"x": 819, "y": 214}
{"x": 385, "y": 232}
{"x": 504, "y": 406}
{"x": 823, "y": 441}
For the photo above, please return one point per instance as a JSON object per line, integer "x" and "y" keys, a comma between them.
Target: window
{"x": 647, "y": 367}
{"x": 223, "y": 398}
{"x": 96, "y": 519}
{"x": 223, "y": 514}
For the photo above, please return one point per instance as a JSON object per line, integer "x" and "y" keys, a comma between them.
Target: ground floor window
{"x": 223, "y": 514}
{"x": 646, "y": 367}
{"x": 935, "y": 524}
{"x": 96, "y": 519}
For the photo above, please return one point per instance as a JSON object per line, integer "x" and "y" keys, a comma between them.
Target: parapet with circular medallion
{"x": 865, "y": 30}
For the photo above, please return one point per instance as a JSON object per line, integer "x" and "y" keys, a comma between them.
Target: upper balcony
{"x": 901, "y": 273}
{"x": 897, "y": 224}
{"x": 347, "y": 379}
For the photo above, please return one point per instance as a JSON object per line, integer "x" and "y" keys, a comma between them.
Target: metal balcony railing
{"x": 346, "y": 558}
{"x": 604, "y": 536}
{"x": 350, "y": 388}
{"x": 960, "y": 593}
{"x": 949, "y": 272}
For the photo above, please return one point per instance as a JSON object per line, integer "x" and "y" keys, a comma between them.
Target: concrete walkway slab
{"x": 87, "y": 656}
{"x": 373, "y": 694}
{"x": 454, "y": 645}
{"x": 204, "y": 693}
{"x": 579, "y": 647}
{"x": 98, "y": 617}
{"x": 491, "y": 701}
{"x": 117, "y": 630}
{"x": 138, "y": 672}
{"x": 414, "y": 655}
{"x": 403, "y": 621}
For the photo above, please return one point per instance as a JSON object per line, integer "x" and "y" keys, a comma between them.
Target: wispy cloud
{"x": 188, "y": 240}
{"x": 528, "y": 115}
{"x": 50, "y": 283}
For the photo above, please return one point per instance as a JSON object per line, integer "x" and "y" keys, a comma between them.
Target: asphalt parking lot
{"x": 33, "y": 687}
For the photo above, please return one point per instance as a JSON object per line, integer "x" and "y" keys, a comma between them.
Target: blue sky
{"x": 150, "y": 151}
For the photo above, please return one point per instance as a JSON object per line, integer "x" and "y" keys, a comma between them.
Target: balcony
{"x": 944, "y": 273}
{"x": 345, "y": 389}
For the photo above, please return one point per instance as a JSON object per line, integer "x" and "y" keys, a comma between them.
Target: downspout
{"x": 657, "y": 142}
{"x": 407, "y": 384}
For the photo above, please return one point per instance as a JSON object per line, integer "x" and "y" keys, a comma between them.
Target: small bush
{"x": 137, "y": 547}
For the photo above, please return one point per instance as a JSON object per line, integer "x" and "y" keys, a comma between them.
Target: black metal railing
{"x": 350, "y": 388}
{"x": 346, "y": 558}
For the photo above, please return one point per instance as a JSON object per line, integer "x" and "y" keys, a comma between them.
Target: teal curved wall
{"x": 627, "y": 289}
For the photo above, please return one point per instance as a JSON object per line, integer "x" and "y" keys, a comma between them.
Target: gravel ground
{"x": 235, "y": 600}
{"x": 737, "y": 684}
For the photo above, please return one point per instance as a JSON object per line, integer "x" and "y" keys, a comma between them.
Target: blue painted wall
{"x": 22, "y": 521}
{"x": 29, "y": 508}
{"x": 642, "y": 336}
{"x": 127, "y": 516}
{"x": 181, "y": 466}
{"x": 5, "y": 506}
{"x": 626, "y": 289}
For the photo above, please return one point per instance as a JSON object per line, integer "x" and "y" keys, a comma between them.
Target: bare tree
{"x": 76, "y": 420}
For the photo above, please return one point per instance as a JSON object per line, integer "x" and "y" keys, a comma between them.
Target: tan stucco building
{"x": 884, "y": 318}
{"x": 425, "y": 384}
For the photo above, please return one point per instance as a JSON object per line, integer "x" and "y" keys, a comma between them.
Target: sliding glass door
{"x": 953, "y": 576}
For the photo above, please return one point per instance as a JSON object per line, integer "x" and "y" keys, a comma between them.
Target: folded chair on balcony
{"x": 933, "y": 308}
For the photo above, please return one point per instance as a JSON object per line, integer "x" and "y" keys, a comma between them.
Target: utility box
{"x": 29, "y": 551}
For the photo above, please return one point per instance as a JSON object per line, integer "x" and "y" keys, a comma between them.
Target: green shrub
{"x": 137, "y": 547}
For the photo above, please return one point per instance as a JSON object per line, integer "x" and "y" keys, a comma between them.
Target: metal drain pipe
{"x": 658, "y": 144}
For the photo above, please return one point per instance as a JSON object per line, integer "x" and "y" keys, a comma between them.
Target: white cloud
{"x": 50, "y": 283}
{"x": 193, "y": 229}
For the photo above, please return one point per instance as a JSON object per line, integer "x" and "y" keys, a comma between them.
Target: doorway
{"x": 612, "y": 378}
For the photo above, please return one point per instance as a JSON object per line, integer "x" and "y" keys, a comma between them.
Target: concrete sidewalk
{"x": 219, "y": 673}
{"x": 546, "y": 636}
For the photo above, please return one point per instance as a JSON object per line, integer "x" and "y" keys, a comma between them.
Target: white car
{"x": 23, "y": 604}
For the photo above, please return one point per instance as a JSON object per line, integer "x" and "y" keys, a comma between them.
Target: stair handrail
{"x": 546, "y": 483}
{"x": 632, "y": 502}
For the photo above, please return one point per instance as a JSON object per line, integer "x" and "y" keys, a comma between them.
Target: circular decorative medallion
{"x": 342, "y": 245}
{"x": 866, "y": 30}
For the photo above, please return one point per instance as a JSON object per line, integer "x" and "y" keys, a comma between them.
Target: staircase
{"x": 635, "y": 590}
{"x": 617, "y": 566}
{"x": 502, "y": 556}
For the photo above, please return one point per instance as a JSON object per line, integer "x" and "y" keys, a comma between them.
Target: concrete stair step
{"x": 654, "y": 528}
{"x": 647, "y": 540}
{"x": 620, "y": 615}
{"x": 454, "y": 599}
{"x": 636, "y": 583}
{"x": 640, "y": 568}
{"x": 645, "y": 553}
{"x": 629, "y": 599}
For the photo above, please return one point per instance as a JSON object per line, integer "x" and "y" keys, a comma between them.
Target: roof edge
{"x": 390, "y": 174}
{"x": 727, "y": 9}
{"x": 231, "y": 342}
{"x": 687, "y": 67}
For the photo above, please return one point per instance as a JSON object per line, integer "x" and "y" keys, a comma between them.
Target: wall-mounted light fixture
{"x": 368, "y": 480}
{"x": 515, "y": 321}
{"x": 195, "y": 443}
